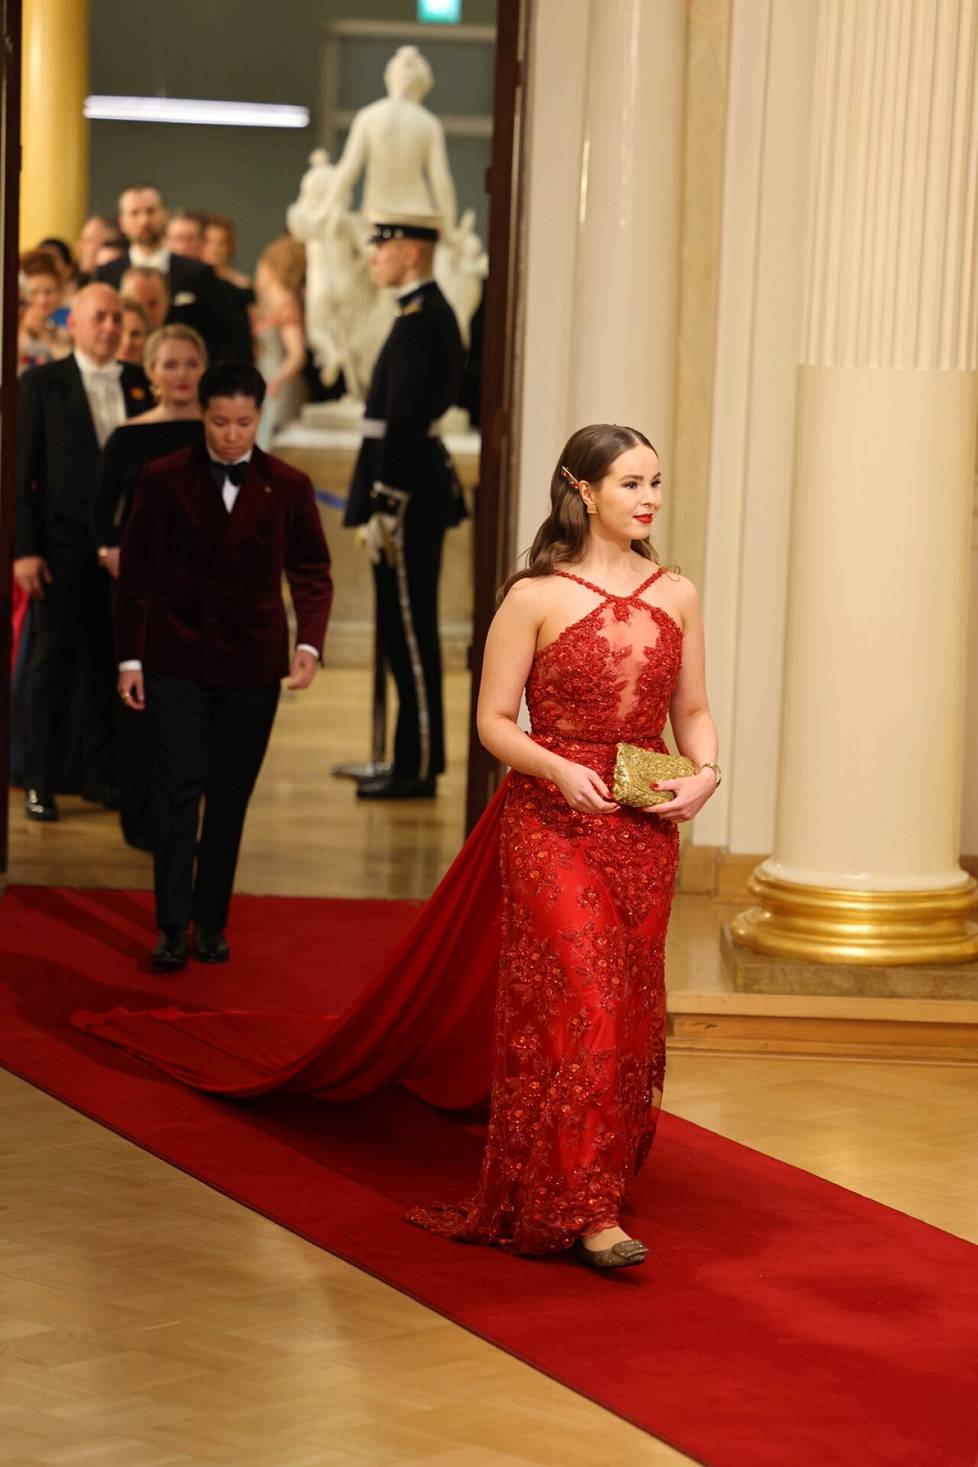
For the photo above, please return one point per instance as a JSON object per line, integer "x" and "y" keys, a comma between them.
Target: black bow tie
{"x": 237, "y": 473}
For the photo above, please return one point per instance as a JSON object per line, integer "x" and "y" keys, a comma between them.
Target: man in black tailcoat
{"x": 405, "y": 492}
{"x": 195, "y": 296}
{"x": 66, "y": 411}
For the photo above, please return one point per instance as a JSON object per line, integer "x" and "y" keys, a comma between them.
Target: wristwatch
{"x": 716, "y": 772}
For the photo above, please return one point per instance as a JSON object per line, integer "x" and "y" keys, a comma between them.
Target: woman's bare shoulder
{"x": 682, "y": 597}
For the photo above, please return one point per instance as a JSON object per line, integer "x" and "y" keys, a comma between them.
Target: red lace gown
{"x": 579, "y": 1045}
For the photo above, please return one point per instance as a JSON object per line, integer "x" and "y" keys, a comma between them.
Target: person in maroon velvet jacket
{"x": 202, "y": 641}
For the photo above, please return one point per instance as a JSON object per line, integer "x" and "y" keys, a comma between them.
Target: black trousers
{"x": 136, "y": 744}
{"x": 407, "y": 625}
{"x": 209, "y": 744}
{"x": 71, "y": 647}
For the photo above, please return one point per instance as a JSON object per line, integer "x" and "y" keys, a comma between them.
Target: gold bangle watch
{"x": 716, "y": 771}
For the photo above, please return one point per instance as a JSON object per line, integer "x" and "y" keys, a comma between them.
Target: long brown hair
{"x": 563, "y": 537}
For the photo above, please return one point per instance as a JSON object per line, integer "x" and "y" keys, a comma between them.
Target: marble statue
{"x": 347, "y": 317}
{"x": 398, "y": 147}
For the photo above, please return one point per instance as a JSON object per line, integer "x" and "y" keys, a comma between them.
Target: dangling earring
{"x": 590, "y": 508}
{"x": 156, "y": 391}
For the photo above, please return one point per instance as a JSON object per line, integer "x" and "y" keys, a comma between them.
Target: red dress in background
{"x": 552, "y": 919}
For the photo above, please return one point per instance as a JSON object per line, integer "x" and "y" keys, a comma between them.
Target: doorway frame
{"x": 496, "y": 502}
{"x": 496, "y": 499}
{"x": 11, "y": 21}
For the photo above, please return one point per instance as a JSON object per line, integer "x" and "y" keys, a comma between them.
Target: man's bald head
{"x": 95, "y": 322}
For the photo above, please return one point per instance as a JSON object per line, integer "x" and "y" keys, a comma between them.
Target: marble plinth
{"x": 752, "y": 972}
{"x": 328, "y": 456}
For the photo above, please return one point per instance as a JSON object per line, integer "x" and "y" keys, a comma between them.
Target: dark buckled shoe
{"x": 170, "y": 952}
{"x": 40, "y": 805}
{"x": 211, "y": 947}
{"x": 398, "y": 789}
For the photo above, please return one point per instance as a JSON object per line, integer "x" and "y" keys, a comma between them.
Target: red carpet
{"x": 781, "y": 1321}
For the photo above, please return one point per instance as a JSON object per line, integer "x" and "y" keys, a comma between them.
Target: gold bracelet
{"x": 716, "y": 771}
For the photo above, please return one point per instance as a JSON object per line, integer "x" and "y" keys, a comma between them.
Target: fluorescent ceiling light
{"x": 187, "y": 109}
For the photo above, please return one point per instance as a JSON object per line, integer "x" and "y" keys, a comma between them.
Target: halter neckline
{"x": 612, "y": 595}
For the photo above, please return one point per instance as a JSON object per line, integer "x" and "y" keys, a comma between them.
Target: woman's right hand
{"x": 583, "y": 789}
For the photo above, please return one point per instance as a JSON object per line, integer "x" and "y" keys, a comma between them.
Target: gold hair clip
{"x": 574, "y": 483}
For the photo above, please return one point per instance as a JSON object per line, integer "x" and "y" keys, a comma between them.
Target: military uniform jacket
{"x": 415, "y": 380}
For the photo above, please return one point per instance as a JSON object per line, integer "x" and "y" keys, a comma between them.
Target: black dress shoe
{"x": 39, "y": 805}
{"x": 102, "y": 794}
{"x": 398, "y": 789}
{"x": 170, "y": 953}
{"x": 211, "y": 947}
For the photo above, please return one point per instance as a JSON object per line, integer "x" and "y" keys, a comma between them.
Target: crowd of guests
{"x": 169, "y": 266}
{"x": 114, "y": 336}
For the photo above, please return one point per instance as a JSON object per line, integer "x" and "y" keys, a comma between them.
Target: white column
{"x": 762, "y": 259}
{"x": 602, "y": 262}
{"x": 865, "y": 863}
{"x": 626, "y": 302}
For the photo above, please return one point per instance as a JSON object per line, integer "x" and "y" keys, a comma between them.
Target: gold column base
{"x": 832, "y": 925}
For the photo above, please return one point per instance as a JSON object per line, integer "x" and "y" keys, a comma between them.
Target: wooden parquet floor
{"x": 147, "y": 1321}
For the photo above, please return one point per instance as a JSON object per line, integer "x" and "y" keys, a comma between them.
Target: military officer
{"x": 405, "y": 492}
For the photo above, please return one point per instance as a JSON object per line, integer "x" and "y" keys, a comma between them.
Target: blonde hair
{"x": 175, "y": 332}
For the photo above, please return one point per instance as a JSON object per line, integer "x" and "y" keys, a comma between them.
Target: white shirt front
{"x": 103, "y": 389}
{"x": 158, "y": 259}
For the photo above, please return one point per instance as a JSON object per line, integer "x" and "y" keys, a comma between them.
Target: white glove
{"x": 379, "y": 538}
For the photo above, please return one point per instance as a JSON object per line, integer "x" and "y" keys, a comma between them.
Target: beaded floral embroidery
{"x": 579, "y": 1048}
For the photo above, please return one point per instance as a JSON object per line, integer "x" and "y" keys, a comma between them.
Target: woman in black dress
{"x": 175, "y": 360}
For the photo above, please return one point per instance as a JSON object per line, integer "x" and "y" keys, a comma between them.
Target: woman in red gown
{"x": 555, "y": 911}
{"x": 606, "y": 646}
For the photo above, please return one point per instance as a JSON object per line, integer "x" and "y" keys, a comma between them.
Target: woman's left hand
{"x": 691, "y": 794}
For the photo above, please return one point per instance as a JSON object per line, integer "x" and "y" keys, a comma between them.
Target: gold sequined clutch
{"x": 636, "y": 768}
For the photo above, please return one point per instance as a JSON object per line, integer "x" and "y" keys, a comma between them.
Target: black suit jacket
{"x": 199, "y": 594}
{"x": 196, "y": 299}
{"x": 58, "y": 452}
{"x": 415, "y": 381}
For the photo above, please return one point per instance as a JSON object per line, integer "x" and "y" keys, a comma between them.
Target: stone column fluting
{"x": 865, "y": 863}
{"x": 626, "y": 295}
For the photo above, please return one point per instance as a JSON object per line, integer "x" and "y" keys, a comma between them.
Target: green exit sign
{"x": 440, "y": 12}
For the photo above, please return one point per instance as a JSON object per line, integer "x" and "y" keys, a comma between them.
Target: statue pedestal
{"x": 327, "y": 455}
{"x": 344, "y": 415}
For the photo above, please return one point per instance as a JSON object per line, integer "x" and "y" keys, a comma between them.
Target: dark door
{"x": 495, "y": 513}
{"x": 9, "y": 223}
